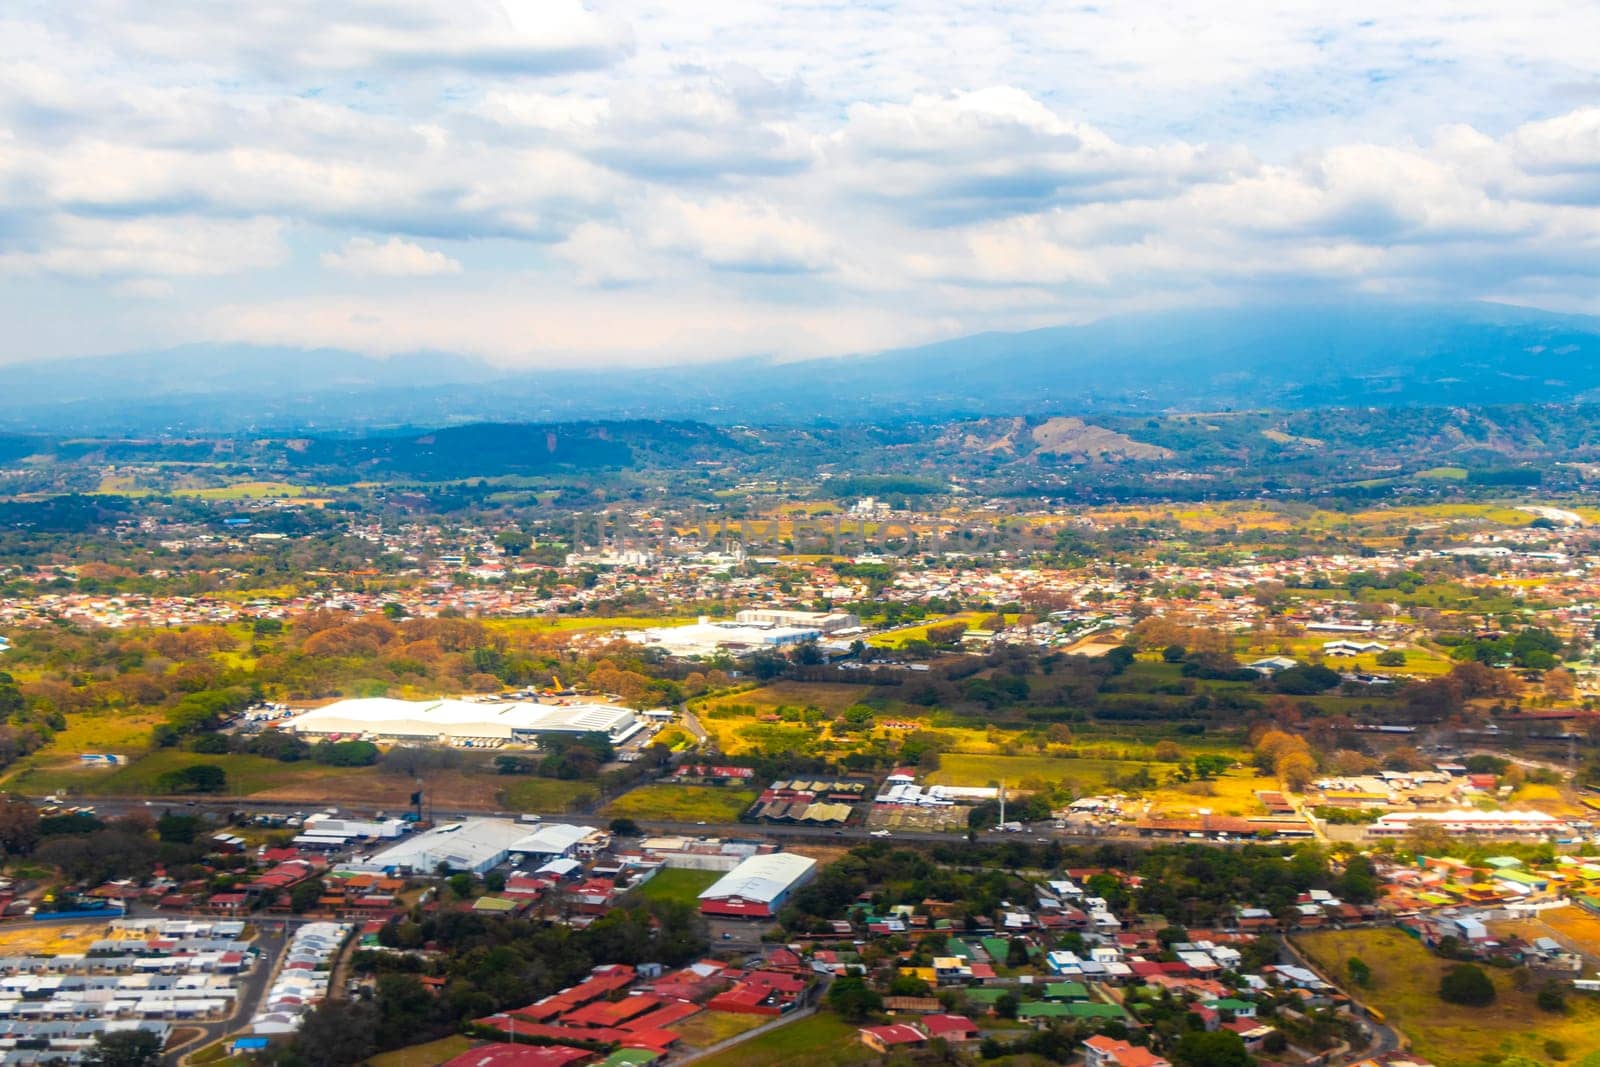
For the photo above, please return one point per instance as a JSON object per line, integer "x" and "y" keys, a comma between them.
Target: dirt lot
{"x": 51, "y": 939}
{"x": 1578, "y": 930}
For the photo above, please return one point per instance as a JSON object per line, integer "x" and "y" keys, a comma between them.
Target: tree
{"x": 19, "y": 825}
{"x": 1552, "y": 997}
{"x": 1560, "y": 684}
{"x": 1219, "y": 1048}
{"x": 1467, "y": 985}
{"x": 1296, "y": 770}
{"x": 303, "y": 897}
{"x": 1006, "y": 1005}
{"x": 624, "y": 827}
{"x": 124, "y": 1048}
{"x": 853, "y": 999}
{"x": 338, "y": 1033}
{"x": 1360, "y": 973}
{"x": 1168, "y": 752}
{"x": 1392, "y": 657}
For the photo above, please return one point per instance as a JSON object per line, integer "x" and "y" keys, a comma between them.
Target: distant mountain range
{"x": 1282, "y": 357}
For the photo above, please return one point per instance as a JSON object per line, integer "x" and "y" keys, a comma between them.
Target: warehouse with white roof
{"x": 758, "y": 887}
{"x": 463, "y": 723}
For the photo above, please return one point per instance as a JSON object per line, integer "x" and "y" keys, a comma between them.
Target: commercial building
{"x": 1472, "y": 822}
{"x": 464, "y": 723}
{"x": 827, "y": 622}
{"x": 758, "y": 887}
{"x": 707, "y": 638}
{"x": 474, "y": 845}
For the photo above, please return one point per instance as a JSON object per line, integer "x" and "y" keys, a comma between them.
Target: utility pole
{"x": 1002, "y": 803}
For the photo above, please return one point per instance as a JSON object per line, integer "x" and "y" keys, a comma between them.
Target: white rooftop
{"x": 761, "y": 878}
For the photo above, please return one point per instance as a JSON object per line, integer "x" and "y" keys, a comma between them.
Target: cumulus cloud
{"x": 670, "y": 180}
{"x": 393, "y": 258}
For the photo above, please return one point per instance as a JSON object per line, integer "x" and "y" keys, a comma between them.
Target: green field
{"x": 1405, "y": 983}
{"x": 677, "y": 883}
{"x": 246, "y": 775}
{"x": 682, "y": 803}
{"x": 547, "y": 794}
{"x": 817, "y": 1041}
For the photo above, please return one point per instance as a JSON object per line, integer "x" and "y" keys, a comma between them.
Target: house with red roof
{"x": 956, "y": 1029}
{"x": 762, "y": 993}
{"x": 894, "y": 1036}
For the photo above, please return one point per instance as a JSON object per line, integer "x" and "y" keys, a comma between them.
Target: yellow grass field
{"x": 682, "y": 803}
{"x": 710, "y": 1027}
{"x": 828, "y": 697}
{"x": 1405, "y": 983}
{"x": 430, "y": 1054}
{"x": 50, "y": 940}
{"x": 1577, "y": 929}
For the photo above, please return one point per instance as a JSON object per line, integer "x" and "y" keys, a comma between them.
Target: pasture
{"x": 546, "y": 794}
{"x": 1405, "y": 985}
{"x": 682, "y": 803}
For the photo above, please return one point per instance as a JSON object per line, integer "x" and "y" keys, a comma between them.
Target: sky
{"x": 558, "y": 183}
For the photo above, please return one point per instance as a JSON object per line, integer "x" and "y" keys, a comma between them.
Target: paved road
{"x": 109, "y": 806}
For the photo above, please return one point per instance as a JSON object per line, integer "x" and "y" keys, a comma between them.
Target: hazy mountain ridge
{"x": 1282, "y": 357}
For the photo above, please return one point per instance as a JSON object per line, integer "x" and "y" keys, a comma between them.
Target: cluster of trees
{"x": 488, "y": 963}
{"x": 1533, "y": 648}
{"x": 1287, "y": 756}
{"x": 288, "y": 748}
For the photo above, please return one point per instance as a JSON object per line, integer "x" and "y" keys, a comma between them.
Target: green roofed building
{"x": 997, "y": 948}
{"x": 988, "y": 996}
{"x": 1089, "y": 1010}
{"x": 630, "y": 1057}
{"x": 1046, "y": 1009}
{"x": 954, "y": 946}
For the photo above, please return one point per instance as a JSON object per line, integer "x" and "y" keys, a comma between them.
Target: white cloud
{"x": 393, "y": 258}
{"x": 804, "y": 179}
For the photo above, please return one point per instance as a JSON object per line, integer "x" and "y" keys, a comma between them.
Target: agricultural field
{"x": 682, "y": 803}
{"x": 1405, "y": 983}
{"x": 820, "y": 1040}
{"x": 678, "y": 884}
{"x": 546, "y": 794}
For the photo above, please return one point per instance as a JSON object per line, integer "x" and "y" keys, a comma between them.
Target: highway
{"x": 115, "y": 806}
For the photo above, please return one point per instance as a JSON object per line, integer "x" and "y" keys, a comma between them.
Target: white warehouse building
{"x": 474, "y": 723}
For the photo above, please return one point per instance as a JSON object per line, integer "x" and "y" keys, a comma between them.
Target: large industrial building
{"x": 707, "y": 638}
{"x": 466, "y": 723}
{"x": 826, "y": 621}
{"x": 758, "y": 887}
{"x": 480, "y": 845}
